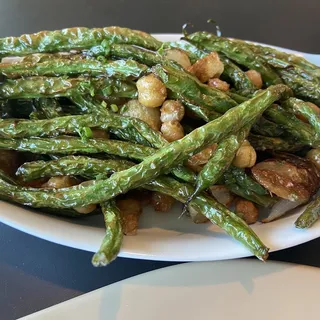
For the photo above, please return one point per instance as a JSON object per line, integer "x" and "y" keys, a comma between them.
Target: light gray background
{"x": 35, "y": 274}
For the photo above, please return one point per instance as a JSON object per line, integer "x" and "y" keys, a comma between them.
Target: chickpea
{"x": 135, "y": 109}
{"x": 314, "y": 156}
{"x": 86, "y": 209}
{"x": 247, "y": 211}
{"x": 219, "y": 84}
{"x": 151, "y": 91}
{"x": 100, "y": 134}
{"x": 172, "y": 110}
{"x": 255, "y": 78}
{"x": 60, "y": 182}
{"x": 67, "y": 182}
{"x": 222, "y": 194}
{"x": 161, "y": 202}
{"x": 246, "y": 156}
{"x": 203, "y": 156}
{"x": 208, "y": 67}
{"x": 172, "y": 130}
{"x": 179, "y": 56}
{"x": 130, "y": 211}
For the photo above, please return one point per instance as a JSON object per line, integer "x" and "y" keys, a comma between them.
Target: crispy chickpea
{"x": 151, "y": 91}
{"x": 197, "y": 160}
{"x": 246, "y": 156}
{"x": 135, "y": 109}
{"x": 314, "y": 156}
{"x": 255, "y": 78}
{"x": 179, "y": 56}
{"x": 172, "y": 110}
{"x": 67, "y": 182}
{"x": 60, "y": 182}
{"x": 247, "y": 211}
{"x": 86, "y": 209}
{"x": 161, "y": 202}
{"x": 100, "y": 134}
{"x": 222, "y": 194}
{"x": 172, "y": 130}
{"x": 9, "y": 161}
{"x": 130, "y": 211}
{"x": 208, "y": 67}
{"x": 219, "y": 84}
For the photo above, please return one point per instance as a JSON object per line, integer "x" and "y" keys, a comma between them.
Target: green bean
{"x": 310, "y": 215}
{"x": 193, "y": 52}
{"x": 112, "y": 240}
{"x": 150, "y": 58}
{"x": 264, "y": 201}
{"x": 72, "y": 145}
{"x": 302, "y": 88}
{"x": 152, "y": 166}
{"x": 120, "y": 69}
{"x": 50, "y": 108}
{"x": 74, "y": 38}
{"x": 267, "y": 128}
{"x": 303, "y": 132}
{"x": 302, "y": 108}
{"x": 218, "y": 215}
{"x": 238, "y": 52}
{"x": 188, "y": 87}
{"x": 201, "y": 112}
{"x": 290, "y": 58}
{"x": 220, "y": 161}
{"x": 71, "y": 165}
{"x": 291, "y": 68}
{"x": 7, "y": 178}
{"x": 246, "y": 182}
{"x": 215, "y": 212}
{"x": 46, "y": 87}
{"x": 74, "y": 165}
{"x": 232, "y": 73}
{"x": 262, "y": 143}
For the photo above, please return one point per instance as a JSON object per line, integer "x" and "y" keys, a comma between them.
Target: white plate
{"x": 238, "y": 289}
{"x": 161, "y": 235}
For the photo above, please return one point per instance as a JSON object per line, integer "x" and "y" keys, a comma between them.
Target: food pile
{"x": 108, "y": 120}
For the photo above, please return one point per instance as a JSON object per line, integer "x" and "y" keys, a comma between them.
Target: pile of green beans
{"x": 68, "y": 83}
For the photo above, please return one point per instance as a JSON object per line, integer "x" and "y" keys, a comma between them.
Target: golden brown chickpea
{"x": 208, "y": 67}
{"x": 172, "y": 130}
{"x": 203, "y": 156}
{"x": 246, "y": 156}
{"x": 151, "y": 91}
{"x": 255, "y": 78}
{"x": 222, "y": 194}
{"x": 86, "y": 209}
{"x": 100, "y": 134}
{"x": 218, "y": 84}
{"x": 67, "y": 182}
{"x": 161, "y": 202}
{"x": 130, "y": 211}
{"x": 135, "y": 109}
{"x": 172, "y": 110}
{"x": 60, "y": 182}
{"x": 247, "y": 211}
{"x": 179, "y": 56}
